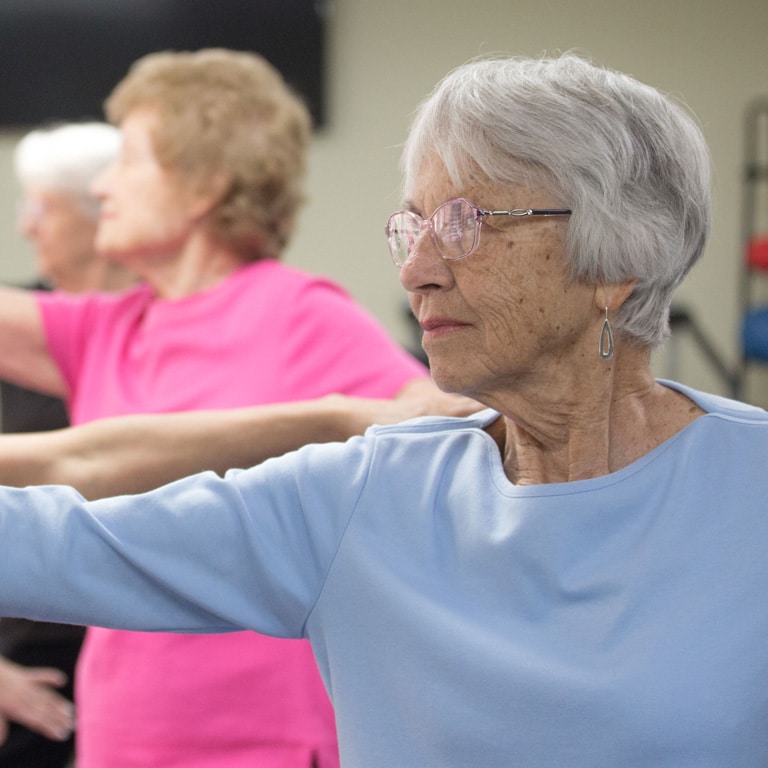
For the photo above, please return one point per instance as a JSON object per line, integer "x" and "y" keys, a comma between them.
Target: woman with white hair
{"x": 58, "y": 212}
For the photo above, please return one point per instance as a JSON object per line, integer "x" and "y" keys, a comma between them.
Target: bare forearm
{"x": 132, "y": 454}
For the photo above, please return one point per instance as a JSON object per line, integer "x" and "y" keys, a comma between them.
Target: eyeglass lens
{"x": 454, "y": 228}
{"x": 31, "y": 209}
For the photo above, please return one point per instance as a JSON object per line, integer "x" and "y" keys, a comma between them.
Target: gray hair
{"x": 67, "y": 158}
{"x": 631, "y": 163}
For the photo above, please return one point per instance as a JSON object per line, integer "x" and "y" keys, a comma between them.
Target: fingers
{"x": 27, "y": 697}
{"x": 426, "y": 399}
{"x": 46, "y": 712}
{"x": 50, "y": 715}
{"x": 45, "y": 676}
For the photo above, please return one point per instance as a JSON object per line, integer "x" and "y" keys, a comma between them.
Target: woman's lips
{"x": 441, "y": 326}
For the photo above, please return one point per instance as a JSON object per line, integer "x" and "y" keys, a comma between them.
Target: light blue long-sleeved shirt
{"x": 458, "y": 620}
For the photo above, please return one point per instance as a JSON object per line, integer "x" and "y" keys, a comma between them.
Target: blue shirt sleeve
{"x": 204, "y": 554}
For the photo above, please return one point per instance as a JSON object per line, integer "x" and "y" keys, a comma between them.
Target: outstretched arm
{"x": 132, "y": 454}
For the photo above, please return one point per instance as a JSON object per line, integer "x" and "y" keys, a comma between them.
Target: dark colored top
{"x": 24, "y": 410}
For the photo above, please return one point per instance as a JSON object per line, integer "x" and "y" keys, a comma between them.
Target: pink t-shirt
{"x": 267, "y": 334}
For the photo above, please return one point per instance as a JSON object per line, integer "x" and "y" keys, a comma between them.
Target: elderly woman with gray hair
{"x": 572, "y": 577}
{"x": 55, "y": 167}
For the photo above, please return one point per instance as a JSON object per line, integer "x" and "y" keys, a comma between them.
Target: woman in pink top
{"x": 200, "y": 204}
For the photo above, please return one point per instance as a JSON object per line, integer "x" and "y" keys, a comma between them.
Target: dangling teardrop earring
{"x": 606, "y": 339}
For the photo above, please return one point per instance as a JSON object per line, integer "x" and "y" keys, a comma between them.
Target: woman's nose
{"x": 425, "y": 269}
{"x": 27, "y": 217}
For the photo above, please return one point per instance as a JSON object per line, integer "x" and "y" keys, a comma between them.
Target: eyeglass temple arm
{"x": 528, "y": 212}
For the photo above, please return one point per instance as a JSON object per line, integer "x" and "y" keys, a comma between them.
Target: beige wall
{"x": 385, "y": 55}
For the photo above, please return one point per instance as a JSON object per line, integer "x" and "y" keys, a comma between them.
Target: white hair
{"x": 66, "y": 157}
{"x": 630, "y": 162}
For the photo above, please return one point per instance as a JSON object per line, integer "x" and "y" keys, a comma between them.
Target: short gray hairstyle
{"x": 67, "y": 158}
{"x": 630, "y": 162}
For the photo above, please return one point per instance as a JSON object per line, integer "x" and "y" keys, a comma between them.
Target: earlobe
{"x": 202, "y": 202}
{"x": 611, "y": 296}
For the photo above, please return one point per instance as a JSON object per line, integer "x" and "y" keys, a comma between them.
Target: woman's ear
{"x": 203, "y": 200}
{"x": 613, "y": 295}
